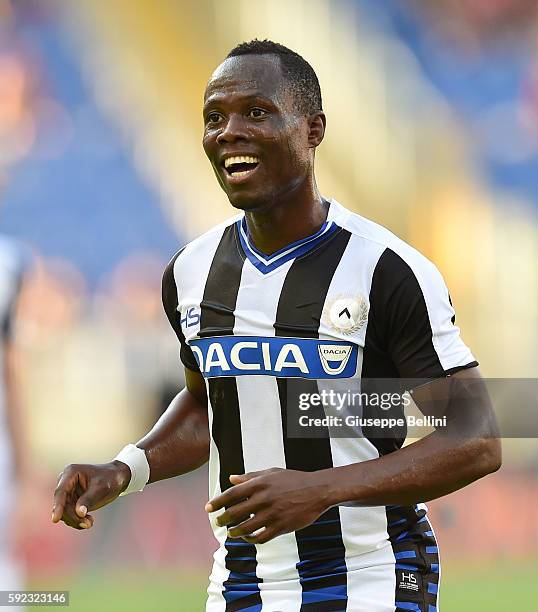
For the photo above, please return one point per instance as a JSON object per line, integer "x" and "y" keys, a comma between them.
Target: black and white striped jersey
{"x": 350, "y": 302}
{"x": 12, "y": 265}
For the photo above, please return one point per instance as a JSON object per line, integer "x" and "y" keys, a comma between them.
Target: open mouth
{"x": 241, "y": 165}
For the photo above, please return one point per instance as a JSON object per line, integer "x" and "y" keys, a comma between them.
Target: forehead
{"x": 253, "y": 74}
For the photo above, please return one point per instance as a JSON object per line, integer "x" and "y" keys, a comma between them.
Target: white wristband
{"x": 137, "y": 461}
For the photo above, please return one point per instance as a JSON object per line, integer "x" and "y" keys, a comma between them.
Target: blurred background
{"x": 432, "y": 131}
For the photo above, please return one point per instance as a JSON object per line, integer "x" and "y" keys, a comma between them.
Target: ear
{"x": 316, "y": 131}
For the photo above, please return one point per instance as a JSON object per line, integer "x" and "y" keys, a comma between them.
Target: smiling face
{"x": 258, "y": 143}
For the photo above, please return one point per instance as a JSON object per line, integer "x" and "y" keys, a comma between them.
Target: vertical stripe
{"x": 191, "y": 283}
{"x": 415, "y": 353}
{"x": 190, "y": 290}
{"x": 222, "y": 286}
{"x": 241, "y": 589}
{"x": 364, "y": 529}
{"x": 261, "y": 429}
{"x": 390, "y": 272}
{"x": 433, "y": 561}
{"x": 322, "y": 567}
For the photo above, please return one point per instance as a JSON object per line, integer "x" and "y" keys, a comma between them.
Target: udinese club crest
{"x": 346, "y": 314}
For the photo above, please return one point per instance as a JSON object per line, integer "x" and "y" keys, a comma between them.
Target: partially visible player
{"x": 14, "y": 457}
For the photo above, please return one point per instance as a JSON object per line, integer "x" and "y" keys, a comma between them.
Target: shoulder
{"x": 199, "y": 250}
{"x": 205, "y": 245}
{"x": 395, "y": 258}
{"x": 403, "y": 280}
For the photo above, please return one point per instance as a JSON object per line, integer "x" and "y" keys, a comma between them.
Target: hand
{"x": 276, "y": 500}
{"x": 82, "y": 488}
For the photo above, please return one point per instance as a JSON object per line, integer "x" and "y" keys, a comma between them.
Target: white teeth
{"x": 240, "y": 159}
{"x": 242, "y": 173}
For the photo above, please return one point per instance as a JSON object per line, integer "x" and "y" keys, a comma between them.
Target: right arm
{"x": 178, "y": 443}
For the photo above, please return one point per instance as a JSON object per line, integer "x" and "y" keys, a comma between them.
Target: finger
{"x": 64, "y": 487}
{"x": 249, "y": 526}
{"x": 60, "y": 496}
{"x": 71, "y": 520}
{"x": 88, "y": 500}
{"x": 70, "y": 517}
{"x": 87, "y": 522}
{"x": 235, "y": 514}
{"x": 264, "y": 536}
{"x": 240, "y": 478}
{"x": 59, "y": 505}
{"x": 230, "y": 497}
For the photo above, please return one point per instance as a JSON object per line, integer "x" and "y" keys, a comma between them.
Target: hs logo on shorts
{"x": 408, "y": 581}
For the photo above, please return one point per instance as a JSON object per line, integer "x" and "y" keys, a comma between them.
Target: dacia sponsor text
{"x": 275, "y": 356}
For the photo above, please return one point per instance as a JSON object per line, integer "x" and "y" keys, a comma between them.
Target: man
{"x": 14, "y": 456}
{"x": 298, "y": 294}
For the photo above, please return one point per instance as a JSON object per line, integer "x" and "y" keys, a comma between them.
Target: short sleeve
{"x": 170, "y": 303}
{"x": 415, "y": 318}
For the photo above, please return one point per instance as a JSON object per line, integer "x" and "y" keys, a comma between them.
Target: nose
{"x": 233, "y": 131}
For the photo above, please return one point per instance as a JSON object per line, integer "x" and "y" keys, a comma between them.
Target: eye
{"x": 256, "y": 113}
{"x": 213, "y": 117}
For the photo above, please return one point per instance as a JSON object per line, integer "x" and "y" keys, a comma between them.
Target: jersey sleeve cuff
{"x": 472, "y": 364}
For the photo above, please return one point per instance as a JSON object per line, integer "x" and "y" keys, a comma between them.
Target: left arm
{"x": 448, "y": 459}
{"x": 438, "y": 464}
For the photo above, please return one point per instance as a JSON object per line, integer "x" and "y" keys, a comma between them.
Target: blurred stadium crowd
{"x": 432, "y": 131}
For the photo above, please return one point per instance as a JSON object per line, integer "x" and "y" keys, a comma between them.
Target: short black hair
{"x": 296, "y": 70}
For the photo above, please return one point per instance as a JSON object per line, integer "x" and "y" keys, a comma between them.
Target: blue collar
{"x": 267, "y": 263}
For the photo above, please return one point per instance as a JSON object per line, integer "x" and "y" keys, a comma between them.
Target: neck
{"x": 296, "y": 215}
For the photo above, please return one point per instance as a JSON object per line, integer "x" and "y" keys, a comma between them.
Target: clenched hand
{"x": 82, "y": 488}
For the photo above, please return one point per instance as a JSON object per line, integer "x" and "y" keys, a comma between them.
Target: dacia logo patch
{"x": 334, "y": 357}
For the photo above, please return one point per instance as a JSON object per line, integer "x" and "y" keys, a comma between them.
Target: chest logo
{"x": 334, "y": 357}
{"x": 346, "y": 314}
{"x": 275, "y": 356}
